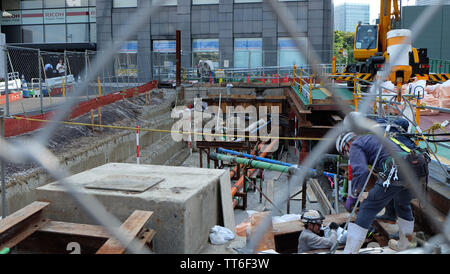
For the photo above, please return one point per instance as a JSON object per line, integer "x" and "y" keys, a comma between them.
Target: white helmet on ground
{"x": 343, "y": 139}
{"x": 312, "y": 216}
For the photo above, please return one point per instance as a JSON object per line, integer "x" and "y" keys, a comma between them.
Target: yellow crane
{"x": 371, "y": 46}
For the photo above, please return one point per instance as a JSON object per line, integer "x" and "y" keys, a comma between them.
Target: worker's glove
{"x": 350, "y": 203}
{"x": 334, "y": 226}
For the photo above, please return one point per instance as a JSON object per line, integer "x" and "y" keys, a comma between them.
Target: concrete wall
{"x": 435, "y": 35}
{"x": 224, "y": 21}
{"x": 21, "y": 190}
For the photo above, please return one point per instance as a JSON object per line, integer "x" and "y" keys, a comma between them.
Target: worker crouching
{"x": 310, "y": 238}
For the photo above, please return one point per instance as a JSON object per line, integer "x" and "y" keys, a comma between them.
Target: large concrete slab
{"x": 186, "y": 203}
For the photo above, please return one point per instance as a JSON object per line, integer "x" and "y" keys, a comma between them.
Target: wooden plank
{"x": 24, "y": 233}
{"x": 21, "y": 215}
{"x": 73, "y": 229}
{"x": 297, "y": 226}
{"x": 311, "y": 196}
{"x": 325, "y": 203}
{"x": 21, "y": 224}
{"x": 131, "y": 228}
{"x": 269, "y": 193}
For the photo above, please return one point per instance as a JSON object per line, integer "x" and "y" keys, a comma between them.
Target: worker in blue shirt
{"x": 362, "y": 152}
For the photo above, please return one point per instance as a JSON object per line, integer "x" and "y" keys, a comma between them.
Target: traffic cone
{"x": 286, "y": 80}
{"x": 264, "y": 80}
{"x": 248, "y": 79}
{"x": 211, "y": 79}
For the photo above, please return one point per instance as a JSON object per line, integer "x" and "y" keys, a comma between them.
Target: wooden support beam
{"x": 72, "y": 229}
{"x": 323, "y": 200}
{"x": 21, "y": 224}
{"x": 131, "y": 228}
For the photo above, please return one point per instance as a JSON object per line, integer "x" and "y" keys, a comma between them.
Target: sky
{"x": 374, "y": 6}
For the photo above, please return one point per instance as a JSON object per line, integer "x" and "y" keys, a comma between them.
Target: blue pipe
{"x": 262, "y": 159}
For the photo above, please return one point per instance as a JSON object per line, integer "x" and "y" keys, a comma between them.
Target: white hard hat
{"x": 312, "y": 216}
{"x": 343, "y": 139}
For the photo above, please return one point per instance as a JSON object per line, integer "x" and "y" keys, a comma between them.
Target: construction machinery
{"x": 372, "y": 43}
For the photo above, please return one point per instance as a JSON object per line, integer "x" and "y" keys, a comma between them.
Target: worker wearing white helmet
{"x": 362, "y": 152}
{"x": 309, "y": 238}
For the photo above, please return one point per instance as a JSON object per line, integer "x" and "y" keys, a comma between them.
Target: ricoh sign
{"x": 54, "y": 16}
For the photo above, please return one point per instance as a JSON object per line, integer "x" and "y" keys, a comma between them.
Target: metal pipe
{"x": 249, "y": 162}
{"x": 2, "y": 128}
{"x": 262, "y": 159}
{"x": 6, "y": 81}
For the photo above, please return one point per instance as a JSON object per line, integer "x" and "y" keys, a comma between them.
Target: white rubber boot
{"x": 355, "y": 238}
{"x": 406, "y": 229}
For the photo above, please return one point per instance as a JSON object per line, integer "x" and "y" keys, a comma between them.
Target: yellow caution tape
{"x": 166, "y": 131}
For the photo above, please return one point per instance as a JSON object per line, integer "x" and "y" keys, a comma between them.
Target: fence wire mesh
{"x": 88, "y": 67}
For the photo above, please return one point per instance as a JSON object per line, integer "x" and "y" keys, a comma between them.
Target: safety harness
{"x": 417, "y": 158}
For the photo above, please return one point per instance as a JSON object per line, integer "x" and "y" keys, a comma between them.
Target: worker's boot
{"x": 355, "y": 238}
{"x": 406, "y": 229}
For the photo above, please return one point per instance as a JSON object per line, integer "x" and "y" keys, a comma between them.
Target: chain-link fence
{"x": 36, "y": 150}
{"x": 40, "y": 80}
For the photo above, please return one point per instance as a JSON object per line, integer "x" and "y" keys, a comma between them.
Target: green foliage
{"x": 343, "y": 40}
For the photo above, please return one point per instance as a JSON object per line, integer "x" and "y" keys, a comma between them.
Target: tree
{"x": 343, "y": 41}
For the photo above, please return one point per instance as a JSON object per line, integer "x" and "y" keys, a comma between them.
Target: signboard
{"x": 15, "y": 19}
{"x": 129, "y": 47}
{"x": 206, "y": 45}
{"x": 54, "y": 16}
{"x": 30, "y": 17}
{"x": 169, "y": 46}
{"x": 248, "y": 44}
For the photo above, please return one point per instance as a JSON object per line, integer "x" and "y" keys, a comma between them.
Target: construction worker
{"x": 362, "y": 151}
{"x": 310, "y": 238}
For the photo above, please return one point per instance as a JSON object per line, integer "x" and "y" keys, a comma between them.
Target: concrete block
{"x": 186, "y": 204}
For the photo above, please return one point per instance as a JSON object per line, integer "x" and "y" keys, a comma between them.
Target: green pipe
{"x": 249, "y": 162}
{"x": 4, "y": 251}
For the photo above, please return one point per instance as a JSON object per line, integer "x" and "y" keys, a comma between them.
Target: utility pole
{"x": 2, "y": 163}
{"x": 178, "y": 48}
{"x": 6, "y": 81}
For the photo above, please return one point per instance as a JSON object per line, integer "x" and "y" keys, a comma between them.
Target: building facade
{"x": 435, "y": 35}
{"x": 230, "y": 33}
{"x": 347, "y": 16}
{"x": 430, "y": 2}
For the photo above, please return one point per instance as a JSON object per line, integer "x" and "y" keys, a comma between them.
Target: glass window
{"x": 13, "y": 34}
{"x": 202, "y": 2}
{"x": 32, "y": 34}
{"x": 126, "y": 61}
{"x": 93, "y": 33}
{"x": 247, "y": 1}
{"x": 92, "y": 3}
{"x": 77, "y": 33}
{"x": 77, "y": 3}
{"x": 10, "y": 4}
{"x": 55, "y": 33}
{"x": 92, "y": 15}
{"x": 31, "y": 4}
{"x": 124, "y": 3}
{"x": 206, "y": 49}
{"x": 54, "y": 3}
{"x": 169, "y": 3}
{"x": 77, "y": 15}
{"x": 32, "y": 17}
{"x": 288, "y": 54}
{"x": 164, "y": 58}
{"x": 247, "y": 52}
{"x": 366, "y": 37}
